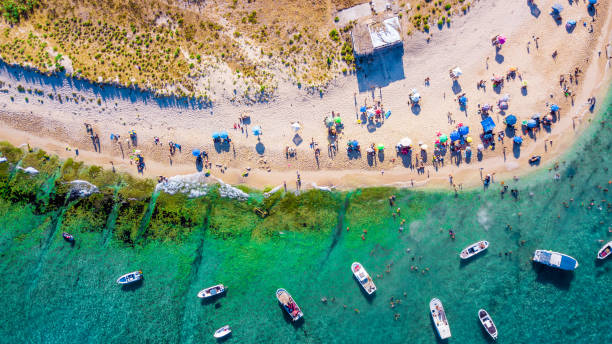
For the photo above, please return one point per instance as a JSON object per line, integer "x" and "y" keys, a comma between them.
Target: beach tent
{"x": 296, "y": 126}
{"x": 216, "y": 135}
{"x": 405, "y": 142}
{"x": 557, "y": 8}
{"x": 454, "y": 136}
{"x": 518, "y": 140}
{"x": 256, "y": 130}
{"x": 554, "y": 107}
{"x": 487, "y": 124}
{"x": 464, "y": 130}
{"x": 195, "y": 152}
{"x": 443, "y": 138}
{"x": 510, "y": 120}
{"x": 532, "y": 123}
{"x": 224, "y": 134}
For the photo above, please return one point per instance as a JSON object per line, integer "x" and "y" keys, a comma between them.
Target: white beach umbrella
{"x": 296, "y": 126}
{"x": 405, "y": 142}
{"x": 423, "y": 147}
{"x": 457, "y": 72}
{"x": 480, "y": 146}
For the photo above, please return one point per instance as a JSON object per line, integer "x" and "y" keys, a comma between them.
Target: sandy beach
{"x": 50, "y": 112}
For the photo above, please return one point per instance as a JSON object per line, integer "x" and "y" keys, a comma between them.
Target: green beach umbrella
{"x": 338, "y": 120}
{"x": 380, "y": 146}
{"x": 443, "y": 138}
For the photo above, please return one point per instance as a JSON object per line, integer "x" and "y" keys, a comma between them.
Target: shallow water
{"x": 54, "y": 292}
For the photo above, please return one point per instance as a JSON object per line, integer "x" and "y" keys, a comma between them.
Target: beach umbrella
{"x": 457, "y": 72}
{"x": 486, "y": 107}
{"x": 329, "y": 120}
{"x": 370, "y": 114}
{"x": 370, "y": 150}
{"x": 462, "y": 100}
{"x": 524, "y": 83}
{"x": 380, "y": 146}
{"x": 549, "y": 117}
{"x": 354, "y": 143}
{"x": 518, "y": 140}
{"x": 504, "y": 98}
{"x": 469, "y": 139}
{"x": 216, "y": 135}
{"x": 443, "y": 138}
{"x": 388, "y": 114}
{"x": 503, "y": 105}
{"x": 363, "y": 109}
{"x": 454, "y": 136}
{"x": 256, "y": 130}
{"x": 557, "y": 8}
{"x": 554, "y": 107}
{"x": 224, "y": 134}
{"x": 378, "y": 111}
{"x": 513, "y": 69}
{"x": 501, "y": 39}
{"x": 536, "y": 117}
{"x": 296, "y": 126}
{"x": 195, "y": 152}
{"x": 532, "y": 123}
{"x": 510, "y": 120}
{"x": 592, "y": 2}
{"x": 570, "y": 23}
{"x": 497, "y": 79}
{"x": 338, "y": 120}
{"x": 415, "y": 97}
{"x": 480, "y": 146}
{"x": 405, "y": 142}
{"x": 423, "y": 147}
{"x": 464, "y": 130}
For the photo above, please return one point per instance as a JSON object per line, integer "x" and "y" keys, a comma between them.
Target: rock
{"x": 28, "y": 170}
{"x": 81, "y": 188}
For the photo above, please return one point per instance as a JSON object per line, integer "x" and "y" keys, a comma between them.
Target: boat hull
{"x": 288, "y": 304}
{"x": 364, "y": 279}
{"x": 212, "y": 291}
{"x": 474, "y": 249}
{"x": 131, "y": 277}
{"x": 487, "y": 323}
{"x": 222, "y": 332}
{"x": 605, "y": 251}
{"x": 438, "y": 316}
{"x": 555, "y": 260}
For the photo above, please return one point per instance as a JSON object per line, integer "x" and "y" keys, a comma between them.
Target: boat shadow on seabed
{"x": 133, "y": 286}
{"x": 559, "y": 278}
{"x": 369, "y": 297}
{"x": 465, "y": 262}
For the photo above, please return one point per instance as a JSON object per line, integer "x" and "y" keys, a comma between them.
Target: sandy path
{"x": 53, "y": 125}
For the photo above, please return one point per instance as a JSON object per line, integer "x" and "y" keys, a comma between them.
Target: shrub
{"x": 334, "y": 35}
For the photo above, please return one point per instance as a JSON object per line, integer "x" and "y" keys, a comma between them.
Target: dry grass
{"x": 173, "y": 46}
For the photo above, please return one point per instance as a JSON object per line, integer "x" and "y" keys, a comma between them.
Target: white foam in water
{"x": 483, "y": 218}
{"x": 198, "y": 185}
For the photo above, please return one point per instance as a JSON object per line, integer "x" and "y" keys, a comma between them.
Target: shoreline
{"x": 58, "y": 129}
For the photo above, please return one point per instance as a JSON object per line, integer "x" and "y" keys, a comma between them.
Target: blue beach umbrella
{"x": 532, "y": 123}
{"x": 363, "y": 109}
{"x": 216, "y": 135}
{"x": 464, "y": 130}
{"x": 256, "y": 130}
{"x": 454, "y": 136}
{"x": 510, "y": 120}
{"x": 557, "y": 8}
{"x": 592, "y": 2}
{"x": 224, "y": 134}
{"x": 554, "y": 107}
{"x": 518, "y": 140}
{"x": 195, "y": 152}
{"x": 462, "y": 100}
{"x": 571, "y": 23}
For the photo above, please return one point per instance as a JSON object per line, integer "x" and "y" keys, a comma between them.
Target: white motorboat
{"x": 555, "y": 260}
{"x": 605, "y": 251}
{"x": 130, "y": 277}
{"x": 487, "y": 323}
{"x": 363, "y": 277}
{"x": 222, "y": 332}
{"x": 211, "y": 291}
{"x": 474, "y": 249}
{"x": 285, "y": 299}
{"x": 439, "y": 318}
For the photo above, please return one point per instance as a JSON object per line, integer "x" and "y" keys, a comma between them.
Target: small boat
{"x": 130, "y": 278}
{"x": 487, "y": 323}
{"x": 363, "y": 277}
{"x": 439, "y": 318}
{"x": 474, "y": 249}
{"x": 285, "y": 300}
{"x": 222, "y": 332}
{"x": 555, "y": 260}
{"x": 67, "y": 237}
{"x": 211, "y": 291}
{"x": 605, "y": 251}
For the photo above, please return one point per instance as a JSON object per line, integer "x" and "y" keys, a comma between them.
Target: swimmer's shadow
{"x": 561, "y": 279}
{"x": 133, "y": 286}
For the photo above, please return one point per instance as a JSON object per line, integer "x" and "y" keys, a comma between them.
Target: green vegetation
{"x": 14, "y": 10}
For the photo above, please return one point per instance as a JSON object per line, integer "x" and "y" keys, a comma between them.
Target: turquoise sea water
{"x": 52, "y": 292}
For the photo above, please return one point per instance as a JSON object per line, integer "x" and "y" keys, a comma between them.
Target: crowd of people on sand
{"x": 459, "y": 143}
